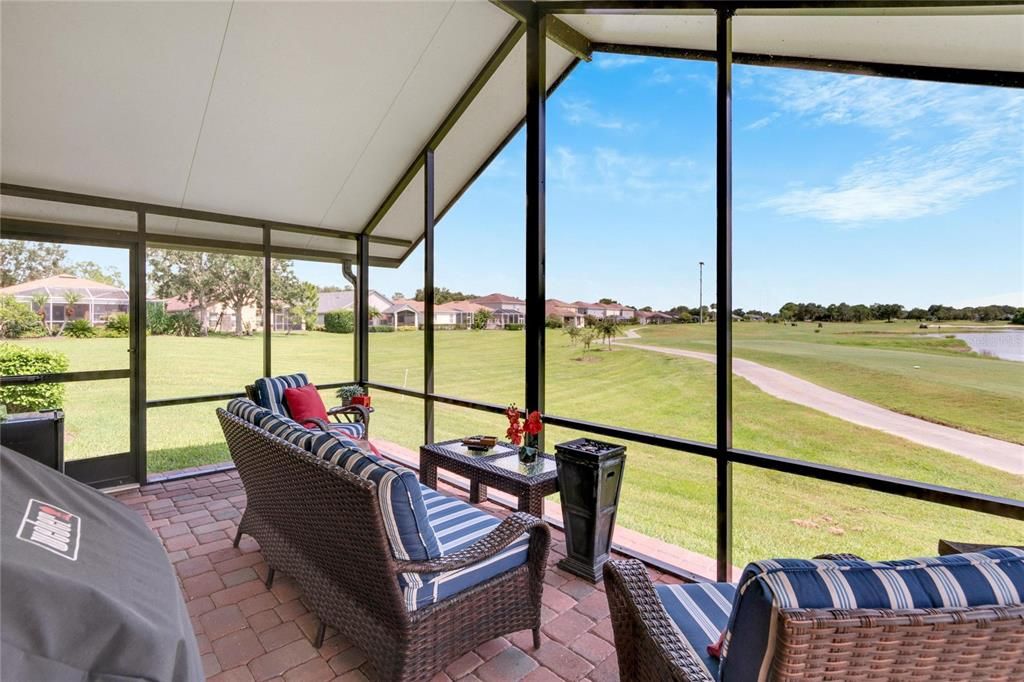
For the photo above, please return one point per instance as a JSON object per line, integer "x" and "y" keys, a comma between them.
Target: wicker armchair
{"x": 322, "y": 525}
{"x": 981, "y": 642}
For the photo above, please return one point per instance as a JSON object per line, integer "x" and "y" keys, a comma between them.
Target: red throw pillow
{"x": 715, "y": 650}
{"x": 305, "y": 404}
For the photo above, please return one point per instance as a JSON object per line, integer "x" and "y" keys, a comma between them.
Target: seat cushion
{"x": 243, "y": 408}
{"x": 994, "y": 576}
{"x": 353, "y": 431}
{"x": 398, "y": 493}
{"x": 458, "y": 525}
{"x": 270, "y": 391}
{"x": 701, "y": 612}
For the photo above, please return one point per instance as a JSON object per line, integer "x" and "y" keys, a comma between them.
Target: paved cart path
{"x": 989, "y": 451}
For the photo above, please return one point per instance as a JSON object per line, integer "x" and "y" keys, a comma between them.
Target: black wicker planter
{"x": 589, "y": 481}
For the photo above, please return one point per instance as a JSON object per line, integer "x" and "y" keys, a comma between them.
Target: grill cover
{"x": 87, "y": 590}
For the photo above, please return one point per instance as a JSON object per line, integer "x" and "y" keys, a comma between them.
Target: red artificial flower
{"x": 515, "y": 429}
{"x": 534, "y": 425}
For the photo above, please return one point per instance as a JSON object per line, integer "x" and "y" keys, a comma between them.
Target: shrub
{"x": 339, "y": 322}
{"x": 79, "y": 329}
{"x": 157, "y": 319}
{"x": 381, "y": 329}
{"x": 17, "y": 319}
{"x": 14, "y": 360}
{"x": 513, "y": 327}
{"x": 183, "y": 324}
{"x": 553, "y": 322}
{"x": 118, "y": 324}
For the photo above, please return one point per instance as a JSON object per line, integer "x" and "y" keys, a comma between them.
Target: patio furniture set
{"x": 416, "y": 577}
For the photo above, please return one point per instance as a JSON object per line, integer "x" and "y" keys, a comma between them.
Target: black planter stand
{"x": 589, "y": 481}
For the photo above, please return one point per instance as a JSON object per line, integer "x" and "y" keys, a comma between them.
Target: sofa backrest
{"x": 323, "y": 520}
{"x": 246, "y": 409}
{"x": 270, "y": 391}
{"x": 398, "y": 493}
{"x": 991, "y": 577}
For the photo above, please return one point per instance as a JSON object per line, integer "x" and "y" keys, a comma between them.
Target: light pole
{"x": 700, "y": 300}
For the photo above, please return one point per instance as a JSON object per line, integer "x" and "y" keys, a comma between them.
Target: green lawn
{"x": 892, "y": 365}
{"x": 666, "y": 494}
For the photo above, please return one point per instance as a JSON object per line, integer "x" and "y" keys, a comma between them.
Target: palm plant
{"x": 609, "y": 328}
{"x": 70, "y": 299}
{"x": 39, "y": 301}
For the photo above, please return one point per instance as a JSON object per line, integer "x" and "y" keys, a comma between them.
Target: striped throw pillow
{"x": 991, "y": 577}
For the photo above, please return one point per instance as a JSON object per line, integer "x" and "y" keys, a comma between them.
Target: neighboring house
{"x": 332, "y": 301}
{"x": 458, "y": 314}
{"x": 566, "y": 312}
{"x": 220, "y": 316}
{"x": 505, "y": 310}
{"x": 96, "y": 301}
{"x": 404, "y": 312}
{"x": 595, "y": 310}
{"x": 649, "y": 317}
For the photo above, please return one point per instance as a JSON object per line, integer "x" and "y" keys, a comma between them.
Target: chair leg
{"x": 270, "y": 577}
{"x": 238, "y": 536}
{"x": 536, "y": 638}
{"x": 320, "y": 631}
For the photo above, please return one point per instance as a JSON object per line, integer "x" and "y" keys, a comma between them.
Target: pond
{"x": 1007, "y": 344}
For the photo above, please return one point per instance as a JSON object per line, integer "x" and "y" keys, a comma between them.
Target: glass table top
{"x": 511, "y": 462}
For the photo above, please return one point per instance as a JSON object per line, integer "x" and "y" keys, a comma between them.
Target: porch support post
{"x": 362, "y": 305}
{"x": 268, "y": 313}
{"x": 723, "y": 319}
{"x": 428, "y": 295}
{"x": 536, "y": 102}
{"x": 137, "y": 340}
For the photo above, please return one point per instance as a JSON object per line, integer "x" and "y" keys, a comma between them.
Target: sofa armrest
{"x": 509, "y": 530}
{"x": 647, "y": 642}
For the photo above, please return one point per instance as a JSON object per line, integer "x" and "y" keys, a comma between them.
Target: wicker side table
{"x": 498, "y": 468}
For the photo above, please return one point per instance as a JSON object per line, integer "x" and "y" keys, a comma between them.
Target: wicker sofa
{"x": 958, "y": 618}
{"x": 325, "y": 513}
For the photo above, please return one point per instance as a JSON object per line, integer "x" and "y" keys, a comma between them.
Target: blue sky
{"x": 845, "y": 188}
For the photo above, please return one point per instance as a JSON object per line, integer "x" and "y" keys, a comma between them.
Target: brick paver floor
{"x": 247, "y": 632}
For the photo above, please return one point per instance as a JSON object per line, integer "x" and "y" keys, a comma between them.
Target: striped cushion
{"x": 243, "y": 408}
{"x": 398, "y": 493}
{"x": 994, "y": 576}
{"x": 287, "y": 429}
{"x": 352, "y": 431}
{"x": 270, "y": 391}
{"x": 701, "y": 612}
{"x": 457, "y": 526}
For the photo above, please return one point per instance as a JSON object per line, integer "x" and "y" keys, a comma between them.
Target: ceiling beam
{"x": 560, "y": 33}
{"x": 875, "y": 7}
{"x": 43, "y": 194}
{"x": 496, "y": 59}
{"x": 942, "y": 74}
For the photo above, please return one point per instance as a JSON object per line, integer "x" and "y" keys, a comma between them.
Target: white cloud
{"x": 616, "y": 61}
{"x": 660, "y": 76}
{"x": 637, "y": 177}
{"x": 582, "y": 112}
{"x": 762, "y": 122}
{"x": 956, "y": 144}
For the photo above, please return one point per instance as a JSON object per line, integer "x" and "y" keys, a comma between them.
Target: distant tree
{"x": 87, "y": 269}
{"x": 1018, "y": 317}
{"x": 919, "y": 314}
{"x": 331, "y": 289}
{"x": 647, "y": 309}
{"x": 39, "y": 302}
{"x": 608, "y": 301}
{"x": 553, "y": 322}
{"x": 307, "y": 303}
{"x": 397, "y": 294}
{"x": 587, "y": 336}
{"x": 608, "y": 328}
{"x": 789, "y": 311}
{"x": 22, "y": 261}
{"x": 481, "y": 318}
{"x": 444, "y": 295}
{"x": 574, "y": 334}
{"x": 738, "y": 312}
{"x": 192, "y": 276}
{"x": 860, "y": 313}
{"x": 240, "y": 284}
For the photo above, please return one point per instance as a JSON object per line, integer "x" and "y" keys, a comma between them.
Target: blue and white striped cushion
{"x": 701, "y": 612}
{"x": 287, "y": 429}
{"x": 336, "y": 450}
{"x": 243, "y": 408}
{"x": 270, "y": 391}
{"x": 398, "y": 493}
{"x": 353, "y": 431}
{"x": 457, "y": 526}
{"x": 994, "y": 576}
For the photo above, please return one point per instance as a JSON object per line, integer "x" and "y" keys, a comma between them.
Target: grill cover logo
{"x": 52, "y": 528}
